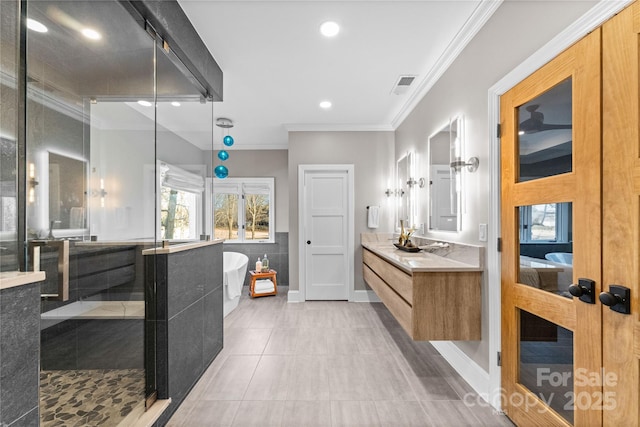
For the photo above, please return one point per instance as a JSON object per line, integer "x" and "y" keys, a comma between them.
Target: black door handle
{"x": 585, "y": 290}
{"x": 308, "y": 242}
{"x": 618, "y": 299}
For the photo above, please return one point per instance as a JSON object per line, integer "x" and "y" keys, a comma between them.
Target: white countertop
{"x": 10, "y": 279}
{"x": 418, "y": 262}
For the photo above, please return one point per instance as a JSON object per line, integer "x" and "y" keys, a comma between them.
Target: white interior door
{"x": 326, "y": 232}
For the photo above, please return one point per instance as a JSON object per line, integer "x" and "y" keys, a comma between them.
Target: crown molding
{"x": 476, "y": 21}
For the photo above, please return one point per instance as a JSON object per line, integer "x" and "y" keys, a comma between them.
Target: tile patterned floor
{"x": 326, "y": 364}
{"x": 99, "y": 397}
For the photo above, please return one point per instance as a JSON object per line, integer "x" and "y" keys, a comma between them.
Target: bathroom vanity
{"x": 434, "y": 294}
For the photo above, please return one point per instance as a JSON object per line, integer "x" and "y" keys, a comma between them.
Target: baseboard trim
{"x": 293, "y": 296}
{"x": 365, "y": 296}
{"x": 472, "y": 373}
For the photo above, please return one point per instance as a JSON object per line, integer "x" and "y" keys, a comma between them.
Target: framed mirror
{"x": 404, "y": 193}
{"x": 444, "y": 147}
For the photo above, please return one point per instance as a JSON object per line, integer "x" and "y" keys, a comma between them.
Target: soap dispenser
{"x": 258, "y": 266}
{"x": 265, "y": 264}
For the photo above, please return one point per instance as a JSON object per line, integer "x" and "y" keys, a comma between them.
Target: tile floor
{"x": 322, "y": 363}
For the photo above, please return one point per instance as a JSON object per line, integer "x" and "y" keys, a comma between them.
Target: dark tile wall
{"x": 93, "y": 344}
{"x": 278, "y": 254}
{"x": 19, "y": 352}
{"x": 189, "y": 319}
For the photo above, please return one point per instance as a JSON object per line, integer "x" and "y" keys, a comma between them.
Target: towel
{"x": 373, "y": 216}
{"x": 234, "y": 279}
{"x": 263, "y": 286}
{"x": 76, "y": 217}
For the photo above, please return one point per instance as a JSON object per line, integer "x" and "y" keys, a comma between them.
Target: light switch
{"x": 482, "y": 232}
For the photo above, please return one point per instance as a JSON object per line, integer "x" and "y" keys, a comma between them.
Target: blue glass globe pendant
{"x": 228, "y": 140}
{"x": 221, "y": 171}
{"x": 223, "y": 155}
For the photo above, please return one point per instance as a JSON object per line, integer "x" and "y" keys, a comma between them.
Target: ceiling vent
{"x": 402, "y": 84}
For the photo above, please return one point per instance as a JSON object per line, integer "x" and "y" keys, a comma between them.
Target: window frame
{"x": 562, "y": 224}
{"x": 199, "y": 217}
{"x": 237, "y": 186}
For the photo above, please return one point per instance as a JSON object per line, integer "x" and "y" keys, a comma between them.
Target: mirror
{"x": 67, "y": 178}
{"x": 444, "y": 189}
{"x": 404, "y": 192}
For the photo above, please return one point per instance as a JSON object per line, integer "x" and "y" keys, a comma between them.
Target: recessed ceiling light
{"x": 36, "y": 26}
{"x": 329, "y": 29}
{"x": 175, "y": 103}
{"x": 145, "y": 103}
{"x": 91, "y": 34}
{"x": 325, "y": 104}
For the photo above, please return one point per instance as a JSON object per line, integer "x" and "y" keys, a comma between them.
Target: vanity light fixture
{"x": 32, "y": 183}
{"x": 411, "y": 182}
{"x": 36, "y": 26}
{"x": 329, "y": 29}
{"x": 471, "y": 164}
{"x": 102, "y": 192}
{"x": 91, "y": 34}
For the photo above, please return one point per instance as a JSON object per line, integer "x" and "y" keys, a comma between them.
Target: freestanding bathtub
{"x": 235, "y": 270}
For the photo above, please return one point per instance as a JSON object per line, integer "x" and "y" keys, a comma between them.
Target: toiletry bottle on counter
{"x": 258, "y": 265}
{"x": 265, "y": 264}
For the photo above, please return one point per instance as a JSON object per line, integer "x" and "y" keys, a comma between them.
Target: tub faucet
{"x": 51, "y": 224}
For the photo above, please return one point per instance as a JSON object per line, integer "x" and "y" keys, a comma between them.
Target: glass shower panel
{"x": 184, "y": 149}
{"x": 9, "y": 13}
{"x": 93, "y": 210}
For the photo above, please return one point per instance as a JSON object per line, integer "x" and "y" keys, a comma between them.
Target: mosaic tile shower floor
{"x": 101, "y": 397}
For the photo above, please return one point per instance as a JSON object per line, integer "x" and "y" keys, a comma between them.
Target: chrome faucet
{"x": 51, "y": 224}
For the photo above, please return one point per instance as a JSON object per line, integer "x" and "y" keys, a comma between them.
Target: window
{"x": 180, "y": 203}
{"x": 243, "y": 210}
{"x": 545, "y": 223}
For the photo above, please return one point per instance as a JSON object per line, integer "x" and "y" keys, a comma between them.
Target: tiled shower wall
{"x": 278, "y": 254}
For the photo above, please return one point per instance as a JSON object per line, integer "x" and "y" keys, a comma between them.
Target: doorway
{"x": 326, "y": 225}
{"x": 570, "y": 162}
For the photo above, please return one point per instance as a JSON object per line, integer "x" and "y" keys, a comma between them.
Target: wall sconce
{"x": 388, "y": 192}
{"x": 102, "y": 193}
{"x": 472, "y": 164}
{"x": 32, "y": 183}
{"x": 411, "y": 182}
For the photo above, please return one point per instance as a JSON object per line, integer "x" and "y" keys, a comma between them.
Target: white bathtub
{"x": 235, "y": 270}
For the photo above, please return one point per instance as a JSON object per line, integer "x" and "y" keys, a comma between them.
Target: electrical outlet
{"x": 482, "y": 232}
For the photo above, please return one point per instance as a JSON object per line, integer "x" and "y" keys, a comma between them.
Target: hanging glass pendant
{"x": 223, "y": 155}
{"x": 221, "y": 171}
{"x": 228, "y": 140}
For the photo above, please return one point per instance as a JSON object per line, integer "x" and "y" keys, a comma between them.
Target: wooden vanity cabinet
{"x": 438, "y": 305}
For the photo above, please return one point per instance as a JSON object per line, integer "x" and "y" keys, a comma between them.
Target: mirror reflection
{"x": 406, "y": 199}
{"x": 444, "y": 195}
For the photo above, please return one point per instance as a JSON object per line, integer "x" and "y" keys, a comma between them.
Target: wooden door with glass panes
{"x": 571, "y": 231}
{"x": 551, "y": 235}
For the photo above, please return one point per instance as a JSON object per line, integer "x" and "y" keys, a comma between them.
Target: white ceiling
{"x": 278, "y": 67}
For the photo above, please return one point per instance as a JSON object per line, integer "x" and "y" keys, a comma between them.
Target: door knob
{"x": 618, "y": 299}
{"x": 308, "y": 242}
{"x": 585, "y": 290}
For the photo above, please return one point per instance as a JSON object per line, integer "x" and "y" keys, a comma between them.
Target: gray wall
{"x": 258, "y": 164}
{"x": 504, "y": 42}
{"x": 372, "y": 155}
